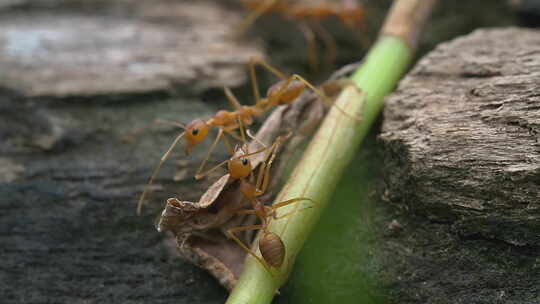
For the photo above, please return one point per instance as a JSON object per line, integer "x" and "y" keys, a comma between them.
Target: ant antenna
{"x": 156, "y": 170}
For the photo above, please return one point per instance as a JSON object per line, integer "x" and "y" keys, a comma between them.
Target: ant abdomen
{"x": 286, "y": 91}
{"x": 272, "y": 249}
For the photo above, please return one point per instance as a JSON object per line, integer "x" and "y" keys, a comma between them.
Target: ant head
{"x": 286, "y": 91}
{"x": 196, "y": 132}
{"x": 239, "y": 167}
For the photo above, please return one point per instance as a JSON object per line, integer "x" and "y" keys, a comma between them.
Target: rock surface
{"x": 461, "y": 139}
{"x": 69, "y": 181}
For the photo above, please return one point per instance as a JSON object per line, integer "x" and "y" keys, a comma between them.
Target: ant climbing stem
{"x": 271, "y": 246}
{"x": 287, "y": 90}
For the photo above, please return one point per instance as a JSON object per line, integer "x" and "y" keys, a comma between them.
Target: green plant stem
{"x": 324, "y": 161}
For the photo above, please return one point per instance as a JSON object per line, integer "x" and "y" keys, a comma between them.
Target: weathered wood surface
{"x": 76, "y": 78}
{"x": 120, "y": 47}
{"x": 461, "y": 140}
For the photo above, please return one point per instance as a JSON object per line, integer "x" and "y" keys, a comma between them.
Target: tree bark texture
{"x": 77, "y": 78}
{"x": 462, "y": 172}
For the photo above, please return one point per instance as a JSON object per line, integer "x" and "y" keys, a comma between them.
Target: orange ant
{"x": 239, "y": 167}
{"x": 284, "y": 92}
{"x": 197, "y": 130}
{"x": 271, "y": 246}
{"x": 348, "y": 11}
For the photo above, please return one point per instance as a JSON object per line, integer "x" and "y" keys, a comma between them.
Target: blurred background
{"x": 78, "y": 77}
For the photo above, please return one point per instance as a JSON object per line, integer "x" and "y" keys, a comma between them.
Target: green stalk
{"x": 326, "y": 157}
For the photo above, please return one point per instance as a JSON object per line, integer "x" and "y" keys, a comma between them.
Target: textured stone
{"x": 461, "y": 143}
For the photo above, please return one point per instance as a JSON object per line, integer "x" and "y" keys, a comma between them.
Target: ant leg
{"x": 227, "y": 144}
{"x": 232, "y": 98}
{"x": 309, "y": 36}
{"x": 276, "y": 217}
{"x": 276, "y": 206}
{"x": 242, "y": 129}
{"x": 259, "y": 11}
{"x": 256, "y": 60}
{"x": 263, "y": 179}
{"x": 291, "y": 213}
{"x": 325, "y": 98}
{"x": 236, "y": 104}
{"x": 156, "y": 170}
{"x": 254, "y": 83}
{"x": 254, "y": 138}
{"x": 264, "y": 147}
{"x": 221, "y": 135}
{"x": 329, "y": 43}
{"x": 264, "y": 172}
{"x": 260, "y": 102}
{"x": 250, "y": 153}
{"x": 291, "y": 201}
{"x": 230, "y": 132}
{"x": 199, "y": 173}
{"x": 243, "y": 139}
{"x": 246, "y": 211}
{"x": 231, "y": 233}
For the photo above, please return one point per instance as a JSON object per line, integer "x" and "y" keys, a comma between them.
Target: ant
{"x": 239, "y": 167}
{"x": 197, "y": 130}
{"x": 350, "y": 13}
{"x": 271, "y": 246}
{"x": 284, "y": 92}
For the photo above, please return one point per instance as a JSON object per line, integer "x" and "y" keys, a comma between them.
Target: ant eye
{"x": 195, "y": 132}
{"x": 245, "y": 161}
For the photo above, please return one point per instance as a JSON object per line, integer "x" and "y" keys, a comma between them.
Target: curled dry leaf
{"x": 199, "y": 226}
